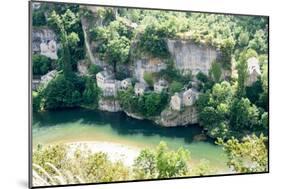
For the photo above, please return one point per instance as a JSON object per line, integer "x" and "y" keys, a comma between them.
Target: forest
{"x": 232, "y": 107}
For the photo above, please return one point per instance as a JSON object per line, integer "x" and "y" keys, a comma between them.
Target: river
{"x": 87, "y": 125}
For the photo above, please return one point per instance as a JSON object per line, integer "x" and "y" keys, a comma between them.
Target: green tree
{"x": 216, "y": 72}
{"x": 91, "y": 93}
{"x": 248, "y": 156}
{"x": 214, "y": 109}
{"x": 61, "y": 93}
{"x": 243, "y": 39}
{"x": 117, "y": 51}
{"x": 148, "y": 78}
{"x": 259, "y": 42}
{"x": 162, "y": 163}
{"x": 38, "y": 18}
{"x": 242, "y": 74}
{"x": 175, "y": 87}
{"x": 94, "y": 69}
{"x": 244, "y": 115}
{"x": 40, "y": 64}
{"x": 36, "y": 101}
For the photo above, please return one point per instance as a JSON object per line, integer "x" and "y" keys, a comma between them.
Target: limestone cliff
{"x": 191, "y": 56}
{"x": 44, "y": 41}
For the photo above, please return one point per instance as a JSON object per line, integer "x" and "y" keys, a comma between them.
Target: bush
{"x": 152, "y": 41}
{"x": 63, "y": 93}
{"x": 175, "y": 87}
{"x": 216, "y": 71}
{"x": 161, "y": 163}
{"x": 148, "y": 78}
{"x": 94, "y": 69}
{"x": 38, "y": 18}
{"x": 41, "y": 64}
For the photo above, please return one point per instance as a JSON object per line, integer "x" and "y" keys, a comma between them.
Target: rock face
{"x": 189, "y": 56}
{"x": 109, "y": 105}
{"x": 170, "y": 118}
{"x": 44, "y": 42}
{"x": 153, "y": 65}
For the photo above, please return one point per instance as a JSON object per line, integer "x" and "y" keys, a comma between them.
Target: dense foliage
{"x": 225, "y": 114}
{"x": 149, "y": 104}
{"x": 162, "y": 163}
{"x": 41, "y": 64}
{"x": 56, "y": 165}
{"x": 249, "y": 155}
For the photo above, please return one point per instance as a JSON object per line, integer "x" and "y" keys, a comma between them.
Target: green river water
{"x": 88, "y": 125}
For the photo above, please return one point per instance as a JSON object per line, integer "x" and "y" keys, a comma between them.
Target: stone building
{"x": 160, "y": 85}
{"x": 184, "y": 99}
{"x": 126, "y": 83}
{"x": 102, "y": 77}
{"x": 176, "y": 102}
{"x": 189, "y": 97}
{"x": 253, "y": 71}
{"x": 111, "y": 87}
{"x": 140, "y": 88}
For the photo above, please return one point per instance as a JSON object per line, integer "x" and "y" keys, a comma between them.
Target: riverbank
{"x": 115, "y": 151}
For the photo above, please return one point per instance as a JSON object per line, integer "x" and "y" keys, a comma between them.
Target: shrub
{"x": 41, "y": 64}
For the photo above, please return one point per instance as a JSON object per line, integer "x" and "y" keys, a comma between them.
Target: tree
{"x": 214, "y": 109}
{"x": 38, "y": 18}
{"x": 242, "y": 74}
{"x": 176, "y": 87}
{"x": 58, "y": 22}
{"x": 62, "y": 93}
{"x": 91, "y": 93}
{"x": 148, "y": 78}
{"x": 36, "y": 101}
{"x": 161, "y": 163}
{"x": 246, "y": 156}
{"x": 117, "y": 51}
{"x": 216, "y": 72}
{"x": 259, "y": 42}
{"x": 68, "y": 25}
{"x": 94, "y": 69}
{"x": 40, "y": 64}
{"x": 243, "y": 39}
{"x": 152, "y": 41}
{"x": 244, "y": 115}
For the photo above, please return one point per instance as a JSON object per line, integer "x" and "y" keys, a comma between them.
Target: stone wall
{"x": 171, "y": 118}
{"x": 109, "y": 105}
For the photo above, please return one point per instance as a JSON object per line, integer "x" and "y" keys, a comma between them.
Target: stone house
{"x": 102, "y": 77}
{"x": 253, "y": 71}
{"x": 111, "y": 87}
{"x": 160, "y": 85}
{"x": 140, "y": 88}
{"x": 184, "y": 99}
{"x": 189, "y": 97}
{"x": 176, "y": 102}
{"x": 126, "y": 83}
